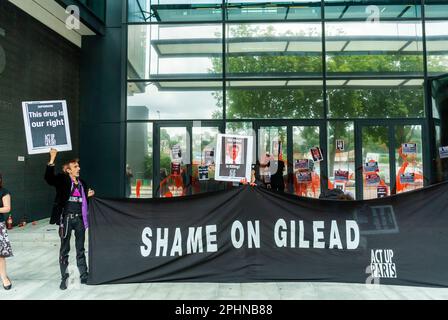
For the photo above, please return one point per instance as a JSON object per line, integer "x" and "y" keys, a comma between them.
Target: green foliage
{"x": 274, "y": 103}
{"x": 165, "y": 162}
{"x": 307, "y": 103}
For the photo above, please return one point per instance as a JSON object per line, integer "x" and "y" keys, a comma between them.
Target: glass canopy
{"x": 214, "y": 10}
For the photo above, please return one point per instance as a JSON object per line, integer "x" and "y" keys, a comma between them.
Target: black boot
{"x": 84, "y": 278}
{"x": 63, "y": 285}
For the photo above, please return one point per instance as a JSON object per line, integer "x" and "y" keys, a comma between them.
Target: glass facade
{"x": 316, "y": 72}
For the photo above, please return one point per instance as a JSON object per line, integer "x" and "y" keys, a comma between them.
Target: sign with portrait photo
{"x": 303, "y": 165}
{"x": 303, "y": 177}
{"x": 46, "y": 126}
{"x": 407, "y": 177}
{"x": 409, "y": 148}
{"x": 341, "y": 175}
{"x": 209, "y": 157}
{"x": 316, "y": 153}
{"x": 340, "y": 145}
{"x": 175, "y": 168}
{"x": 371, "y": 166}
{"x": 233, "y": 158}
{"x": 203, "y": 173}
{"x": 372, "y": 179}
{"x": 176, "y": 153}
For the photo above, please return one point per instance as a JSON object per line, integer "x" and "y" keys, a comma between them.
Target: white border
{"x": 248, "y": 158}
{"x": 29, "y": 139}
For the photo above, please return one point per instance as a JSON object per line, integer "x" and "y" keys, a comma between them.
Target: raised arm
{"x": 50, "y": 175}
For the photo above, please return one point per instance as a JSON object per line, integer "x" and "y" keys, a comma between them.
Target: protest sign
{"x": 233, "y": 158}
{"x": 46, "y": 126}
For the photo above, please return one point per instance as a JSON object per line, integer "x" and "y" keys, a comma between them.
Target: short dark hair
{"x": 66, "y": 164}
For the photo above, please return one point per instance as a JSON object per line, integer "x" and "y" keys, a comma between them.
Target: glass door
{"x": 376, "y": 162}
{"x": 273, "y": 156}
{"x": 172, "y": 160}
{"x": 408, "y": 158}
{"x": 306, "y": 181}
{"x": 203, "y": 170}
{"x": 283, "y": 145}
{"x": 341, "y": 156}
{"x": 390, "y": 159}
{"x": 184, "y": 158}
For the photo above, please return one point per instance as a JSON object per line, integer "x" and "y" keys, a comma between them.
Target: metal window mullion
{"x": 189, "y": 129}
{"x": 323, "y": 141}
{"x": 124, "y": 99}
{"x": 224, "y": 63}
{"x": 290, "y": 157}
{"x": 428, "y": 135}
{"x": 323, "y": 135}
{"x": 392, "y": 158}
{"x": 359, "y": 175}
{"x": 155, "y": 159}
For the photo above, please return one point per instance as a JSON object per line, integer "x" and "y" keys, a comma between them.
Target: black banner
{"x": 250, "y": 234}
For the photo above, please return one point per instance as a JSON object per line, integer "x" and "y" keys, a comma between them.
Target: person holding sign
{"x": 69, "y": 212}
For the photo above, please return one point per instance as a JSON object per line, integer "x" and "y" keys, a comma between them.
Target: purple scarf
{"x": 84, "y": 205}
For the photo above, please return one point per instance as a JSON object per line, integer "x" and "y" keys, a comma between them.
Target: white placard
{"x": 46, "y": 126}
{"x": 233, "y": 161}
{"x": 409, "y": 148}
{"x": 443, "y": 152}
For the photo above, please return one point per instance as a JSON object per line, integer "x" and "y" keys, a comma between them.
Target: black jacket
{"x": 63, "y": 184}
{"x": 277, "y": 177}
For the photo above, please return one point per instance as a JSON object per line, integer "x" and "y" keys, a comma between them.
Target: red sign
{"x": 372, "y": 179}
{"x": 341, "y": 175}
{"x": 316, "y": 153}
{"x": 175, "y": 168}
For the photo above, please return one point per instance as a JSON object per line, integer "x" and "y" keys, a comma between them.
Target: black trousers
{"x": 69, "y": 224}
